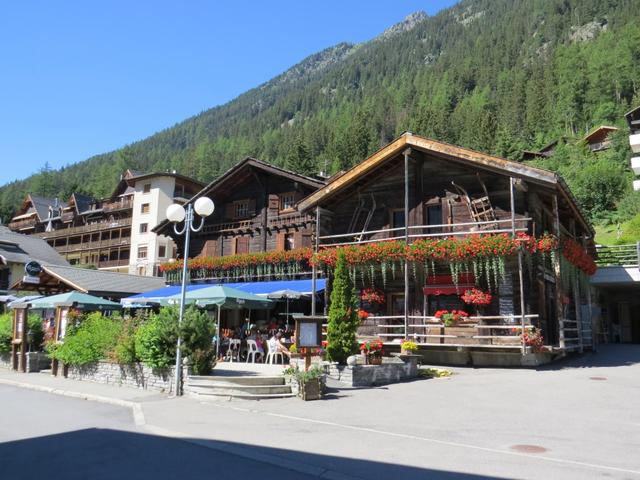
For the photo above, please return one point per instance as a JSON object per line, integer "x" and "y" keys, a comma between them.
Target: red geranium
{"x": 476, "y": 297}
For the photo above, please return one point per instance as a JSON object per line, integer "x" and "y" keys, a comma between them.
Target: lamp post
{"x": 176, "y": 213}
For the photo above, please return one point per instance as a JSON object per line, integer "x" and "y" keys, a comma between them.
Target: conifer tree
{"x": 343, "y": 317}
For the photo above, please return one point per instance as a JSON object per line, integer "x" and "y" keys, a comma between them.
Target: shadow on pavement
{"x": 113, "y": 454}
{"x": 610, "y": 355}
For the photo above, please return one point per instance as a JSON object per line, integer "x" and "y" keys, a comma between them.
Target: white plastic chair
{"x": 233, "y": 352}
{"x": 274, "y": 354}
{"x": 252, "y": 351}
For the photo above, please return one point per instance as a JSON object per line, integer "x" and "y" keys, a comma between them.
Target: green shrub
{"x": 343, "y": 317}
{"x": 35, "y": 332}
{"x": 94, "y": 339}
{"x": 197, "y": 332}
{"x": 155, "y": 339}
{"x": 6, "y": 333}
{"x": 125, "y": 350}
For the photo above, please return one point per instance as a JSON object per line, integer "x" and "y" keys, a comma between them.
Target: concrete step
{"x": 235, "y": 380}
{"x": 46, "y": 372}
{"x": 241, "y": 395}
{"x": 235, "y": 390}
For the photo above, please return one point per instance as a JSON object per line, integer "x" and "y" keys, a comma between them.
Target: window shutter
{"x": 274, "y": 202}
{"x": 242, "y": 245}
{"x": 307, "y": 240}
{"x": 280, "y": 238}
{"x": 230, "y": 211}
{"x": 297, "y": 239}
{"x": 210, "y": 249}
{"x": 252, "y": 206}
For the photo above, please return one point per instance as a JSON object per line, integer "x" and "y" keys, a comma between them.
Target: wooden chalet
{"x": 417, "y": 191}
{"x": 255, "y": 211}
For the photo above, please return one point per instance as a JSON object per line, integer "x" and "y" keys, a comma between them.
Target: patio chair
{"x": 252, "y": 351}
{"x": 273, "y": 354}
{"x": 233, "y": 352}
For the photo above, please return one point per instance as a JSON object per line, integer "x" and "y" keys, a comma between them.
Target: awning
{"x": 261, "y": 289}
{"x": 78, "y": 300}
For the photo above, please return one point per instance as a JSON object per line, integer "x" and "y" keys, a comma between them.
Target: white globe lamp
{"x": 204, "y": 206}
{"x": 175, "y": 213}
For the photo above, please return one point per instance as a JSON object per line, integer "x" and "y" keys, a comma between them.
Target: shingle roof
{"x": 19, "y": 248}
{"x": 42, "y": 204}
{"x": 95, "y": 282}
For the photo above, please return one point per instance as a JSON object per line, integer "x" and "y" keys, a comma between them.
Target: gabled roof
{"x": 19, "y": 248}
{"x": 600, "y": 131}
{"x": 40, "y": 206}
{"x": 93, "y": 282}
{"x": 449, "y": 152}
{"x": 231, "y": 176}
{"x": 81, "y": 202}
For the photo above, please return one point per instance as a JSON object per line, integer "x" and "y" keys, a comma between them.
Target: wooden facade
{"x": 255, "y": 211}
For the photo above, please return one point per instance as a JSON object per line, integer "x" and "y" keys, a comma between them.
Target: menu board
{"x": 19, "y": 322}
{"x": 309, "y": 334}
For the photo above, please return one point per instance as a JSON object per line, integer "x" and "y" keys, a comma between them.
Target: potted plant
{"x": 408, "y": 347}
{"x": 451, "y": 318}
{"x": 310, "y": 384}
{"x": 372, "y": 351}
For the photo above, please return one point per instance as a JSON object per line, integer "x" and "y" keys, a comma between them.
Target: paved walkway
{"x": 575, "y": 419}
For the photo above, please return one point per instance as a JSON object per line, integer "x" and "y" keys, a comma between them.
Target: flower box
{"x": 310, "y": 389}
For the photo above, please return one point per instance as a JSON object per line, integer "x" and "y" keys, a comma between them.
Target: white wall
{"x": 159, "y": 198}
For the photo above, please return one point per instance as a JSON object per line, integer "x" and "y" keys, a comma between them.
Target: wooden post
{"x": 576, "y": 301}
{"x": 314, "y": 272}
{"x": 523, "y": 319}
{"x": 556, "y": 268}
{"x": 19, "y": 340}
{"x": 406, "y": 154}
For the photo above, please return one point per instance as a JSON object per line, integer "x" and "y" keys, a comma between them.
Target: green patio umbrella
{"x": 226, "y": 298}
{"x": 74, "y": 299}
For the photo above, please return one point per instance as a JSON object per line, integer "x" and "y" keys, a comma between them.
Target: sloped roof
{"x": 602, "y": 130}
{"x": 82, "y": 202}
{"x": 18, "y": 248}
{"x": 449, "y": 152}
{"x": 96, "y": 282}
{"x": 40, "y": 205}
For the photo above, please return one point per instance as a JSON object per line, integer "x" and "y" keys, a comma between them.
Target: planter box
{"x": 392, "y": 370}
{"x": 311, "y": 389}
{"x": 445, "y": 357}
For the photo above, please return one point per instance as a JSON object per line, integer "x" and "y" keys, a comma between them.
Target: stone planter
{"x": 459, "y": 357}
{"x": 536, "y": 359}
{"x": 509, "y": 359}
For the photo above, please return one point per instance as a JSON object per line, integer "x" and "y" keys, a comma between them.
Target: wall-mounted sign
{"x": 33, "y": 269}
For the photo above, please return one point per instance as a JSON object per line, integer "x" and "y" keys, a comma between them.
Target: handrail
{"x": 627, "y": 255}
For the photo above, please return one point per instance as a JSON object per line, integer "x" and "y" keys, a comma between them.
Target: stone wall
{"x": 5, "y": 360}
{"x": 136, "y": 375}
{"x": 36, "y": 361}
{"x": 392, "y": 370}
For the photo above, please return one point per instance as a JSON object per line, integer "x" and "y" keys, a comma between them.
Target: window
{"x": 289, "y": 241}
{"x": 162, "y": 251}
{"x": 397, "y": 219}
{"x": 146, "y": 188}
{"x": 241, "y": 209}
{"x": 287, "y": 200}
{"x": 144, "y": 227}
{"x": 144, "y": 208}
{"x": 142, "y": 252}
{"x": 434, "y": 217}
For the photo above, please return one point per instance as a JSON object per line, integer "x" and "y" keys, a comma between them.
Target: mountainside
{"x": 499, "y": 76}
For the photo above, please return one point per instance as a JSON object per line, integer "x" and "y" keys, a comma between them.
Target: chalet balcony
{"x": 113, "y": 263}
{"x": 94, "y": 227}
{"x": 67, "y": 217}
{"x": 634, "y": 142}
{"x": 25, "y": 224}
{"x": 109, "y": 207}
{"x": 290, "y": 220}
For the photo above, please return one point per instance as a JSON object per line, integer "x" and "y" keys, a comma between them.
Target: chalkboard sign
{"x": 19, "y": 324}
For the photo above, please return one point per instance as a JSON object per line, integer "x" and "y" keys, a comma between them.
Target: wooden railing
{"x": 618, "y": 255}
{"x": 113, "y": 263}
{"x": 422, "y": 231}
{"x": 94, "y": 227}
{"x": 21, "y": 224}
{"x": 108, "y": 207}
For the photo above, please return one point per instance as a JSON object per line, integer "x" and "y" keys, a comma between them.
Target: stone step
{"x": 239, "y": 388}
{"x": 235, "y": 380}
{"x": 46, "y": 372}
{"x": 241, "y": 395}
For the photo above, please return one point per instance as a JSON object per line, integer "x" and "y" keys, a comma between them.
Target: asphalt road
{"x": 48, "y": 437}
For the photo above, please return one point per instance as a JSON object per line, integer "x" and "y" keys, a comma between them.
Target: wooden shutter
{"x": 252, "y": 206}
{"x": 280, "y": 238}
{"x": 242, "y": 245}
{"x": 274, "y": 202}
{"x": 306, "y": 240}
{"x": 209, "y": 249}
{"x": 230, "y": 210}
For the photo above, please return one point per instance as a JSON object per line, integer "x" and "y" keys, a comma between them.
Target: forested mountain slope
{"x": 499, "y": 76}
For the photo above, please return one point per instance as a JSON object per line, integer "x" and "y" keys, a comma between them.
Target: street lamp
{"x": 176, "y": 213}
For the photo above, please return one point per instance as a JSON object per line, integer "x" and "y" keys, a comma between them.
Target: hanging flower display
{"x": 533, "y": 338}
{"x": 372, "y": 295}
{"x": 476, "y": 296}
{"x": 576, "y": 255}
{"x": 452, "y": 317}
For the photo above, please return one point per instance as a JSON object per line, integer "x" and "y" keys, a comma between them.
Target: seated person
{"x": 275, "y": 345}
{"x": 254, "y": 335}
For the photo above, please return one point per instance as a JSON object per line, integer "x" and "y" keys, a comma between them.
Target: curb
{"x": 136, "y": 408}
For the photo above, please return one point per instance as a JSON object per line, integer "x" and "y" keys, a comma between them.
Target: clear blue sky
{"x": 80, "y": 78}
